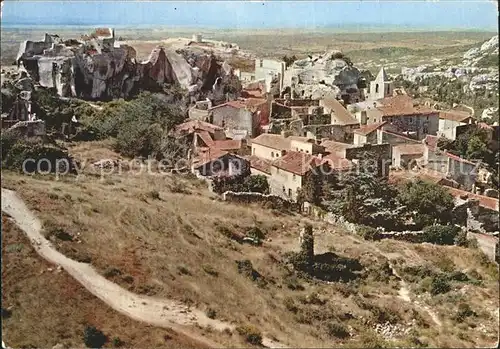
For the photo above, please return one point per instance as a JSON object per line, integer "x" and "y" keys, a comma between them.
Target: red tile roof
{"x": 333, "y": 146}
{"x": 455, "y": 115}
{"x": 458, "y": 158}
{"x": 367, "y": 129}
{"x": 402, "y": 105}
{"x": 242, "y": 103}
{"x": 399, "y": 135}
{"x": 484, "y": 201}
{"x": 207, "y": 155}
{"x": 278, "y": 142}
{"x": 260, "y": 164}
{"x": 300, "y": 163}
{"x": 249, "y": 93}
{"x": 485, "y": 126}
{"x": 410, "y": 149}
{"x": 196, "y": 125}
{"x": 205, "y": 137}
{"x": 341, "y": 113}
{"x": 431, "y": 142}
{"x": 297, "y": 162}
{"x": 228, "y": 144}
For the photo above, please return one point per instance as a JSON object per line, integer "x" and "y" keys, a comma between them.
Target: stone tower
{"x": 381, "y": 87}
{"x": 306, "y": 240}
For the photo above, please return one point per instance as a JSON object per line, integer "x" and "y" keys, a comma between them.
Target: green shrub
{"x": 211, "y": 313}
{"x": 210, "y": 270}
{"x": 290, "y": 305}
{"x": 439, "y": 285}
{"x": 154, "y": 194}
{"x": 251, "y": 334}
{"x": 117, "y": 342}
{"x": 293, "y": 283}
{"x": 440, "y": 234}
{"x": 337, "y": 330}
{"x": 461, "y": 239}
{"x": 93, "y": 338}
{"x": 464, "y": 311}
{"x": 369, "y": 233}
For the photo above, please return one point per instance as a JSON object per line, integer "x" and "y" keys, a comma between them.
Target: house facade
{"x": 406, "y": 117}
{"x": 240, "y": 115}
{"x": 450, "y": 120}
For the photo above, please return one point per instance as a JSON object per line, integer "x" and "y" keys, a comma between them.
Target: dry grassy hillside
{"x": 167, "y": 236}
{"x": 43, "y": 306}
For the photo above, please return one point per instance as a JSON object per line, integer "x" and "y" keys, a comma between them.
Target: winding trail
{"x": 404, "y": 292}
{"x": 158, "y": 312}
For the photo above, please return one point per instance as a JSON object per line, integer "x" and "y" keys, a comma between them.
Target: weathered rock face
{"x": 311, "y": 77}
{"x": 94, "y": 68}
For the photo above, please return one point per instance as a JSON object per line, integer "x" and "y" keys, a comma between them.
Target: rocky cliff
{"x": 96, "y": 67}
{"x": 329, "y": 74}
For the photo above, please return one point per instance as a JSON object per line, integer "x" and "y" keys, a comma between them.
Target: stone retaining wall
{"x": 274, "y": 201}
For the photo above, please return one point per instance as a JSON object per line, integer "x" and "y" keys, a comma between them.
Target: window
{"x": 388, "y": 89}
{"x": 261, "y": 63}
{"x": 290, "y": 192}
{"x": 293, "y": 178}
{"x": 307, "y": 151}
{"x": 411, "y": 120}
{"x": 284, "y": 189}
{"x": 272, "y": 154}
{"x": 376, "y": 88}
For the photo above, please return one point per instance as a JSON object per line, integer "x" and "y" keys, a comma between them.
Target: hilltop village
{"x": 378, "y": 154}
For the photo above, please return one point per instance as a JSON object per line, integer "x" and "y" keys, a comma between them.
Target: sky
{"x": 403, "y": 14}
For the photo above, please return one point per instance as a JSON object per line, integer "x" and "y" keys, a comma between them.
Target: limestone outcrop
{"x": 328, "y": 74}
{"x": 97, "y": 67}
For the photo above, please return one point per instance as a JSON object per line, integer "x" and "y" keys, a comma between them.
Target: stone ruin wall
{"x": 267, "y": 199}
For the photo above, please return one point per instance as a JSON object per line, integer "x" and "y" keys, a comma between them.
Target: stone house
{"x": 219, "y": 163}
{"x": 406, "y": 155}
{"x": 191, "y": 127}
{"x": 241, "y": 115}
{"x": 449, "y": 120}
{"x": 434, "y": 158}
{"x": 289, "y": 173}
{"x": 265, "y": 69}
{"x": 272, "y": 146}
{"x": 338, "y": 113}
{"x": 368, "y": 134}
{"x": 462, "y": 171}
{"x": 406, "y": 116}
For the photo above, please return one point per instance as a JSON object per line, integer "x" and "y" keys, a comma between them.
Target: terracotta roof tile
{"x": 431, "y": 142}
{"x": 454, "y": 115}
{"x": 333, "y": 146}
{"x": 484, "y": 126}
{"x": 410, "y": 149}
{"x": 196, "y": 125}
{"x": 367, "y": 129}
{"x": 205, "y": 137}
{"x": 300, "y": 163}
{"x": 399, "y": 135}
{"x": 208, "y": 155}
{"x": 242, "y": 103}
{"x": 228, "y": 144}
{"x": 484, "y": 201}
{"x": 260, "y": 164}
{"x": 341, "y": 113}
{"x": 402, "y": 105}
{"x": 296, "y": 162}
{"x": 458, "y": 158}
{"x": 273, "y": 141}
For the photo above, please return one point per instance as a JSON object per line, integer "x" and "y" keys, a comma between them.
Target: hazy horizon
{"x": 334, "y": 15}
